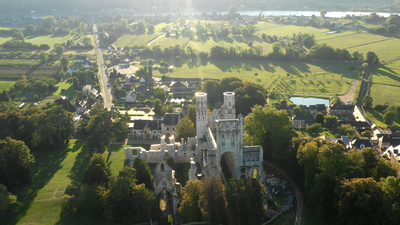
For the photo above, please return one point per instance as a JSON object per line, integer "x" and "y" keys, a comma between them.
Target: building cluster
{"x": 218, "y": 144}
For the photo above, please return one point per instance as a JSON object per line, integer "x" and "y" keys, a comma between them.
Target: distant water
{"x": 334, "y": 14}
{"x": 309, "y": 101}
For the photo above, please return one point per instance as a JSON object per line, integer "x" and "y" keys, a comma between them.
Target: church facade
{"x": 218, "y": 144}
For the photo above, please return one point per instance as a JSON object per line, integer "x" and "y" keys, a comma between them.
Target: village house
{"x": 302, "y": 121}
{"x": 359, "y": 144}
{"x": 340, "y": 110}
{"x": 385, "y": 141}
{"x": 82, "y": 59}
{"x": 72, "y": 69}
{"x": 131, "y": 97}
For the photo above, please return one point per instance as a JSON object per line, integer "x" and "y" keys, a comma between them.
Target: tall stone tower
{"x": 229, "y": 105}
{"x": 201, "y": 114}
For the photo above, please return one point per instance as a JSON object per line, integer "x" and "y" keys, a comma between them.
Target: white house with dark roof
{"x": 302, "y": 121}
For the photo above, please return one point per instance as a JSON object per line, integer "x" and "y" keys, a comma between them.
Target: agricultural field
{"x": 285, "y": 30}
{"x": 206, "y": 45}
{"x": 385, "y": 86}
{"x": 19, "y": 62}
{"x": 53, "y": 39}
{"x": 311, "y": 78}
{"x": 170, "y": 41}
{"x": 131, "y": 40}
{"x": 385, "y": 47}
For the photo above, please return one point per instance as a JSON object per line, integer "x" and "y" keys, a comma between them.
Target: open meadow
{"x": 385, "y": 87}
{"x": 287, "y": 77}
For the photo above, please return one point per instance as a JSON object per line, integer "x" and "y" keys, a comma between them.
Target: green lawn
{"x": 385, "y": 86}
{"x": 285, "y": 30}
{"x": 5, "y": 84}
{"x": 53, "y": 39}
{"x": 377, "y": 118}
{"x": 208, "y": 43}
{"x": 135, "y": 40}
{"x": 170, "y": 41}
{"x": 52, "y": 173}
{"x": 304, "y": 133}
{"x": 386, "y": 50}
{"x": 311, "y": 78}
{"x": 354, "y": 40}
{"x": 4, "y": 39}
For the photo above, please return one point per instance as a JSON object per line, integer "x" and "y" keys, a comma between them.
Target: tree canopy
{"x": 270, "y": 128}
{"x": 15, "y": 162}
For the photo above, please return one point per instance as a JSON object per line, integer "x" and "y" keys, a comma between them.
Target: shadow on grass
{"x": 81, "y": 162}
{"x": 47, "y": 164}
{"x": 387, "y": 74}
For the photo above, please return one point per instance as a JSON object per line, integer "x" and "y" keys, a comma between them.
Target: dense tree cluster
{"x": 15, "y": 162}
{"x": 21, "y": 44}
{"x": 240, "y": 201}
{"x": 38, "y": 128}
{"x": 103, "y": 127}
{"x": 345, "y": 185}
{"x": 36, "y": 85}
{"x": 270, "y": 128}
{"x": 247, "y": 94}
{"x": 84, "y": 77}
{"x": 119, "y": 198}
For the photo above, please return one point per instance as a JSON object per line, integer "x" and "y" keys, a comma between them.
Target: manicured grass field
{"x": 355, "y": 40}
{"x": 206, "y": 45}
{"x": 5, "y": 84}
{"x": 311, "y": 78}
{"x": 385, "y": 86}
{"x": 386, "y": 50}
{"x": 52, "y": 173}
{"x": 285, "y": 30}
{"x": 135, "y": 40}
{"x": 170, "y": 41}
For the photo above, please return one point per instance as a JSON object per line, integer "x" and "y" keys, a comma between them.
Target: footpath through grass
{"x": 52, "y": 173}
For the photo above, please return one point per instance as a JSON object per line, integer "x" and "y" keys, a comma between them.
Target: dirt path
{"x": 155, "y": 40}
{"x": 350, "y": 94}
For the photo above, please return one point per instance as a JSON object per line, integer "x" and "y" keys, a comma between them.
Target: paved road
{"x": 299, "y": 195}
{"x": 106, "y": 91}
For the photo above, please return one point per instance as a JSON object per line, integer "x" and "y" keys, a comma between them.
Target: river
{"x": 333, "y": 14}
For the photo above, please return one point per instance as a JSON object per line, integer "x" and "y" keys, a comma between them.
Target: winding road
{"x": 299, "y": 195}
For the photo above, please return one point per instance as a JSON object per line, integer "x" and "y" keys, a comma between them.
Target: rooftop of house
{"x": 171, "y": 119}
{"x": 361, "y": 143}
{"x": 303, "y": 117}
{"x": 342, "y": 107}
{"x": 152, "y": 124}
